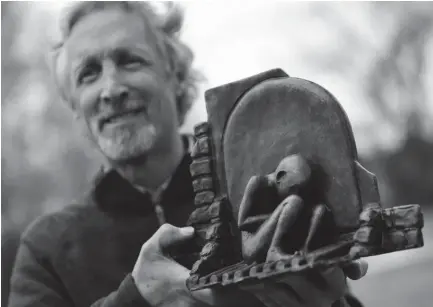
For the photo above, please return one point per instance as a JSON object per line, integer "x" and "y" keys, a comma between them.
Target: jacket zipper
{"x": 160, "y": 215}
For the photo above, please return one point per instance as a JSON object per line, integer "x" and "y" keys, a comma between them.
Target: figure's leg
{"x": 292, "y": 206}
{"x": 257, "y": 230}
{"x": 256, "y": 186}
{"x": 255, "y": 244}
{"x": 316, "y": 218}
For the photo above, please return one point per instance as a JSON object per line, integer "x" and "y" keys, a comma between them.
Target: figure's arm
{"x": 292, "y": 207}
{"x": 318, "y": 213}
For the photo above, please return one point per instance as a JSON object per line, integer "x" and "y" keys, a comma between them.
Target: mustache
{"x": 115, "y": 112}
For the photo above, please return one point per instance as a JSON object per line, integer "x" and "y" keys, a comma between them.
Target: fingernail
{"x": 363, "y": 267}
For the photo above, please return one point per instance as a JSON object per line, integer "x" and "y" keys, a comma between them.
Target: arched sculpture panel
{"x": 279, "y": 187}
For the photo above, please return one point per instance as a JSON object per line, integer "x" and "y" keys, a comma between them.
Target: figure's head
{"x": 291, "y": 174}
{"x": 126, "y": 75}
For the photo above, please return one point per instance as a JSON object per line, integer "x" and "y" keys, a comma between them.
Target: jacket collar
{"x": 112, "y": 193}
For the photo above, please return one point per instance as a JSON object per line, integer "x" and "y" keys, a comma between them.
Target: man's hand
{"x": 162, "y": 281}
{"x": 308, "y": 289}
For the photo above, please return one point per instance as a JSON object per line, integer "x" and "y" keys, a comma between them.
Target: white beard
{"x": 128, "y": 144}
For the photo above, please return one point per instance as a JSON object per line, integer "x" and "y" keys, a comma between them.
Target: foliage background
{"x": 375, "y": 57}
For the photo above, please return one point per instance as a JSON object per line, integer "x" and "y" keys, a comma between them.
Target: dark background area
{"x": 378, "y": 57}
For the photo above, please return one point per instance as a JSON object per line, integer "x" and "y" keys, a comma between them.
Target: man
{"x": 129, "y": 82}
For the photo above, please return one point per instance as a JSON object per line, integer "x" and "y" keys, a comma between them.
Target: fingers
{"x": 311, "y": 288}
{"x": 168, "y": 235}
{"x": 315, "y": 288}
{"x": 356, "y": 269}
{"x": 227, "y": 297}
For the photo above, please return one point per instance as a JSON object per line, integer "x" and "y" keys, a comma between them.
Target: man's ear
{"x": 178, "y": 97}
{"x": 180, "y": 114}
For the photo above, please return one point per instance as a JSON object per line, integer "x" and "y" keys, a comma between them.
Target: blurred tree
{"x": 396, "y": 82}
{"x": 45, "y": 160}
{"x": 11, "y": 68}
{"x": 45, "y": 164}
{"x": 388, "y": 60}
{"x": 398, "y": 89}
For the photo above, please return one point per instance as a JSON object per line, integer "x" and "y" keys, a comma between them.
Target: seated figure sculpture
{"x": 278, "y": 155}
{"x": 262, "y": 226}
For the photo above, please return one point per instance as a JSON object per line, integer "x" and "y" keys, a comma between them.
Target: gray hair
{"x": 165, "y": 26}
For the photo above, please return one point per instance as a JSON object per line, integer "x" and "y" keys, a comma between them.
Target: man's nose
{"x": 114, "y": 92}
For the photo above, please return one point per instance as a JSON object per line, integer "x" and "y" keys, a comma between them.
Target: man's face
{"x": 118, "y": 83}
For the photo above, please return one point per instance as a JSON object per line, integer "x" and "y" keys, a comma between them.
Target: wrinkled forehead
{"x": 100, "y": 32}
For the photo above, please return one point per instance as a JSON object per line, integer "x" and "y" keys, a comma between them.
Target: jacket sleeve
{"x": 35, "y": 284}
{"x": 35, "y": 281}
{"x": 349, "y": 300}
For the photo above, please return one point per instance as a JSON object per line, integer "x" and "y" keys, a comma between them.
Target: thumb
{"x": 168, "y": 235}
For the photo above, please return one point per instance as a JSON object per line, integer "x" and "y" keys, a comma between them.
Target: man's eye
{"x": 131, "y": 62}
{"x": 88, "y": 75}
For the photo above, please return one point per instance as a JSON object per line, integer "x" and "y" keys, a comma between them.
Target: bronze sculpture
{"x": 279, "y": 188}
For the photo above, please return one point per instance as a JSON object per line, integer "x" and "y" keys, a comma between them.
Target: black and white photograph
{"x": 216, "y": 153}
